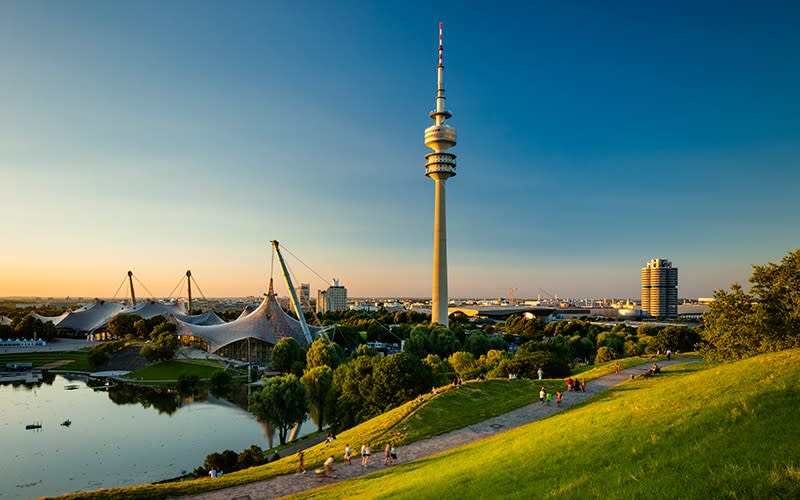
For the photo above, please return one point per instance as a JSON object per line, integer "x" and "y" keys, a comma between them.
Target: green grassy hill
{"x": 696, "y": 431}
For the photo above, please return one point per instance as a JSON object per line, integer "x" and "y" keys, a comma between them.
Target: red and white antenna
{"x": 441, "y": 46}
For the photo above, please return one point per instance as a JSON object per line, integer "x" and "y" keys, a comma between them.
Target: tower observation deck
{"x": 440, "y": 166}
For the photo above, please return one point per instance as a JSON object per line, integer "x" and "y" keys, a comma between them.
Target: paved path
{"x": 294, "y": 483}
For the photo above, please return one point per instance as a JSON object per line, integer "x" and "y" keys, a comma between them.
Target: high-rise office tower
{"x": 332, "y": 299}
{"x": 660, "y": 289}
{"x": 440, "y": 166}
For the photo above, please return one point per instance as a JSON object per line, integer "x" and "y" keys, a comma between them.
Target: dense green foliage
{"x": 318, "y": 382}
{"x": 288, "y": 356}
{"x": 28, "y": 327}
{"x": 281, "y": 403}
{"x": 322, "y": 352}
{"x": 123, "y": 324}
{"x": 163, "y": 345}
{"x": 369, "y": 385}
{"x": 741, "y": 324}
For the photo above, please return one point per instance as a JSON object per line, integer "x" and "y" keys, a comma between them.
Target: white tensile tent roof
{"x": 268, "y": 323}
{"x": 91, "y": 316}
{"x": 98, "y": 313}
{"x": 50, "y": 319}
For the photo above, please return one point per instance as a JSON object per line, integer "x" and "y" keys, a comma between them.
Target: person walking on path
{"x": 393, "y": 454}
{"x": 540, "y": 372}
{"x": 558, "y": 398}
{"x": 616, "y": 367}
{"x": 365, "y": 451}
{"x": 348, "y": 453}
{"x": 301, "y": 464}
{"x": 583, "y": 385}
{"x": 549, "y": 397}
{"x": 386, "y": 452}
{"x": 327, "y": 467}
{"x": 542, "y": 394}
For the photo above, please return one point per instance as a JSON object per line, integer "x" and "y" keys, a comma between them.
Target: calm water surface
{"x": 109, "y": 444}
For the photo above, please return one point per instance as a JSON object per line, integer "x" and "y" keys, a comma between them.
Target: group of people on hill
{"x": 575, "y": 384}
{"x": 389, "y": 457}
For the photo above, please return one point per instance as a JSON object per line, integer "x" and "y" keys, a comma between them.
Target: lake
{"x": 140, "y": 436}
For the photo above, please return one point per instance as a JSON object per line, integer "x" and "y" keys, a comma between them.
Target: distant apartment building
{"x": 660, "y": 289}
{"x": 304, "y": 295}
{"x": 332, "y": 299}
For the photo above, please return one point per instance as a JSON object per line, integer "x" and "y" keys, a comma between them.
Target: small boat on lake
{"x": 33, "y": 426}
{"x": 66, "y": 423}
{"x": 71, "y": 387}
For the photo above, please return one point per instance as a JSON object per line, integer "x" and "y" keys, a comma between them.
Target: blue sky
{"x": 162, "y": 136}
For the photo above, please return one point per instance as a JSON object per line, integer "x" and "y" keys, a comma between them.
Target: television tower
{"x": 440, "y": 166}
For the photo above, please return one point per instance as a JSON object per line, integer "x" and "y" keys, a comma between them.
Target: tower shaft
{"x": 439, "y": 294}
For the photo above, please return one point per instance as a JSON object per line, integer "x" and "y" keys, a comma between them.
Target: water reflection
{"x": 119, "y": 435}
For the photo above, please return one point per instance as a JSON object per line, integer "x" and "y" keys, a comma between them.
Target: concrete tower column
{"x": 439, "y": 295}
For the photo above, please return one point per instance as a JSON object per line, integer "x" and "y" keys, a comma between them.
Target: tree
{"x": 322, "y": 352}
{"x": 418, "y": 343}
{"x": 477, "y": 343}
{"x": 29, "y": 327}
{"x": 463, "y": 363}
{"x": 318, "y": 382}
{"x": 613, "y": 341}
{"x": 352, "y": 383}
{"x": 605, "y": 354}
{"x": 489, "y": 362}
{"x": 282, "y": 403}
{"x": 441, "y": 370}
{"x": 250, "y": 457}
{"x": 123, "y": 324}
{"x": 675, "y": 339}
{"x": 285, "y": 353}
{"x": 163, "y": 346}
{"x": 399, "y": 378}
{"x": 225, "y": 461}
{"x": 740, "y": 324}
{"x": 443, "y": 341}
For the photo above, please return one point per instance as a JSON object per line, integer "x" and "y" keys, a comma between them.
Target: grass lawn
{"x": 169, "y": 370}
{"x": 471, "y": 403}
{"x": 696, "y": 431}
{"x": 79, "y": 359}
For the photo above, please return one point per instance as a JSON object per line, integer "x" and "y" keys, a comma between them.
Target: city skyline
{"x": 165, "y": 137}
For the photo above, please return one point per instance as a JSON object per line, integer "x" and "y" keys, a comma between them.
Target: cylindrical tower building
{"x": 660, "y": 289}
{"x": 440, "y": 166}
